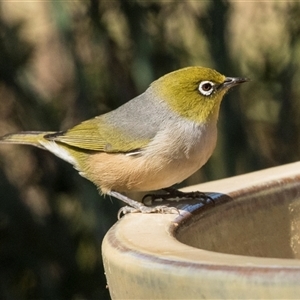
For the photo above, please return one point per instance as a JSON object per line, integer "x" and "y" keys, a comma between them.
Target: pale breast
{"x": 182, "y": 149}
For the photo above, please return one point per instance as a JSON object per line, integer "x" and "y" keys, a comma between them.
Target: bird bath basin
{"x": 245, "y": 245}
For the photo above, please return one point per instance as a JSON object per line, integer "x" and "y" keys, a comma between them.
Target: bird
{"x": 152, "y": 142}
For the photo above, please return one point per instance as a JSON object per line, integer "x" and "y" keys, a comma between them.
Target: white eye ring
{"x": 206, "y": 88}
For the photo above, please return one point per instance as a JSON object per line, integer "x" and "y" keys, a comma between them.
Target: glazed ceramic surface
{"x": 243, "y": 244}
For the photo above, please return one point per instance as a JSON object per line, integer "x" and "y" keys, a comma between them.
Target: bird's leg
{"x": 174, "y": 194}
{"x": 135, "y": 206}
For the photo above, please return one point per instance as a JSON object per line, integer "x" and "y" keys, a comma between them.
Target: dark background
{"x": 63, "y": 62}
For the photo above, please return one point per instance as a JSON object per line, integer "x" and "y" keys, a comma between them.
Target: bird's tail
{"x": 33, "y": 138}
{"x": 40, "y": 139}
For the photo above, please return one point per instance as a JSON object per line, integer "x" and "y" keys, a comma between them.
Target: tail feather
{"x": 39, "y": 139}
{"x": 33, "y": 138}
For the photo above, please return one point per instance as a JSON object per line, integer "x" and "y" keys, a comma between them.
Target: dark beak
{"x": 232, "y": 81}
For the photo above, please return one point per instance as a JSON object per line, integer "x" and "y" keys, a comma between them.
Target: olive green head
{"x": 194, "y": 92}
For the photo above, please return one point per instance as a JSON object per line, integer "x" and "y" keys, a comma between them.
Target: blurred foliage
{"x": 64, "y": 61}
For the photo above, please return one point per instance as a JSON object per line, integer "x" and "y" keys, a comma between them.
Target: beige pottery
{"x": 245, "y": 245}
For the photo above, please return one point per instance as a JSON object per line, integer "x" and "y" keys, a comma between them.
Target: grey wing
{"x": 127, "y": 129}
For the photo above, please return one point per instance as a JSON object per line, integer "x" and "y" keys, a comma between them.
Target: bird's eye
{"x": 206, "y": 88}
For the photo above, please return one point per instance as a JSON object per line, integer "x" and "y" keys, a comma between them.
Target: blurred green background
{"x": 62, "y": 62}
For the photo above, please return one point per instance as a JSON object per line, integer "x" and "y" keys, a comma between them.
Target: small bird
{"x": 152, "y": 142}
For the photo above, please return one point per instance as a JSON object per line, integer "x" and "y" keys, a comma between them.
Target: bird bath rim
{"x": 148, "y": 244}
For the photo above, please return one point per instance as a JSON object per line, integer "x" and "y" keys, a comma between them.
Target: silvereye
{"x": 152, "y": 142}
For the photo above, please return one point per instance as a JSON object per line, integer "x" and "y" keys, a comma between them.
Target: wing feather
{"x": 126, "y": 129}
{"x": 95, "y": 136}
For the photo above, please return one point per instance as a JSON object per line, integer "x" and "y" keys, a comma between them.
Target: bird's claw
{"x": 173, "y": 194}
{"x": 162, "y": 209}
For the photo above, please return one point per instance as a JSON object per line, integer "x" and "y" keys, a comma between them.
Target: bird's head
{"x": 195, "y": 93}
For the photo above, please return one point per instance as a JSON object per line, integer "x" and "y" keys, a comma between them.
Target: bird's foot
{"x": 135, "y": 206}
{"x": 173, "y": 194}
{"x": 161, "y": 209}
